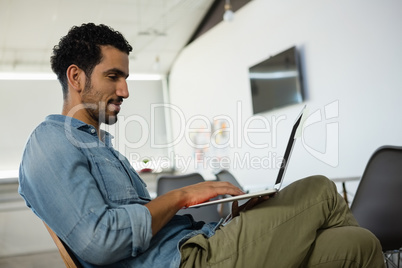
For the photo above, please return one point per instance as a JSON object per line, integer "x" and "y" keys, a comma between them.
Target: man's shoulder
{"x": 54, "y": 135}
{"x": 64, "y": 132}
{"x": 46, "y": 141}
{"x": 55, "y": 129}
{"x": 52, "y": 123}
{"x": 58, "y": 122}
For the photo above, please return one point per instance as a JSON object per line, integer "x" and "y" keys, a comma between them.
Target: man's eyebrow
{"x": 117, "y": 71}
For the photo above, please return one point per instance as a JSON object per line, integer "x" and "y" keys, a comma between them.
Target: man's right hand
{"x": 204, "y": 191}
{"x": 164, "y": 207}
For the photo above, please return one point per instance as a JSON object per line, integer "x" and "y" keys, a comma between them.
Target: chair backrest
{"x": 68, "y": 257}
{"x": 166, "y": 183}
{"x": 377, "y": 205}
{"x": 225, "y": 175}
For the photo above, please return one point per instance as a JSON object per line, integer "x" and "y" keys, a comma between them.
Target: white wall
{"x": 26, "y": 103}
{"x": 21, "y": 232}
{"x": 351, "y": 58}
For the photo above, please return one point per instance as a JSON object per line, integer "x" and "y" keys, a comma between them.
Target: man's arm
{"x": 164, "y": 207}
{"x": 56, "y": 182}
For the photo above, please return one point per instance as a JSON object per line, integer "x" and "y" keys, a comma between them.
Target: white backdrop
{"x": 26, "y": 103}
{"x": 351, "y": 59}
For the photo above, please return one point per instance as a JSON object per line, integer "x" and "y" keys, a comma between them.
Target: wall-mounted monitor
{"x": 276, "y": 82}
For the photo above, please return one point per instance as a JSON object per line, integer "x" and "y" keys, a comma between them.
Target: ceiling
{"x": 157, "y": 29}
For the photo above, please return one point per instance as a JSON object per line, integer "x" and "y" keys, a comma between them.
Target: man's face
{"x": 107, "y": 87}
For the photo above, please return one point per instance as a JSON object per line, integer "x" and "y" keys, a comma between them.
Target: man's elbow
{"x": 101, "y": 254}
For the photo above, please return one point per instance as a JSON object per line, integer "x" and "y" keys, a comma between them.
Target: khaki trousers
{"x": 307, "y": 224}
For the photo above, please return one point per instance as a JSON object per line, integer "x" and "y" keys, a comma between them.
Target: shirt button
{"x": 93, "y": 131}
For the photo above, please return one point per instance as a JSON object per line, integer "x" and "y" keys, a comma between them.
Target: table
{"x": 343, "y": 180}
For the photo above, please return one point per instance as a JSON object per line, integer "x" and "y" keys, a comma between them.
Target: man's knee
{"x": 349, "y": 243}
{"x": 317, "y": 182}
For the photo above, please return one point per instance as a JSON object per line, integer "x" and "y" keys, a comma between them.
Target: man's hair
{"x": 81, "y": 46}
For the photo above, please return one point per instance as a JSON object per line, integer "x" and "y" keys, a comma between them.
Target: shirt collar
{"x": 66, "y": 120}
{"x": 78, "y": 124}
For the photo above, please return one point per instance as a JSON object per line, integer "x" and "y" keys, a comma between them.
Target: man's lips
{"x": 114, "y": 106}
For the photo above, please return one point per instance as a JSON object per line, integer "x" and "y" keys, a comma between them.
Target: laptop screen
{"x": 289, "y": 148}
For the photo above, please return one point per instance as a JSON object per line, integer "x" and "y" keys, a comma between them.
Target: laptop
{"x": 279, "y": 179}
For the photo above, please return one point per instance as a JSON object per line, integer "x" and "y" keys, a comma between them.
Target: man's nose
{"x": 122, "y": 90}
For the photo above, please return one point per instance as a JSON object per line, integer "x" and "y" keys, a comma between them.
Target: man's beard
{"x": 98, "y": 111}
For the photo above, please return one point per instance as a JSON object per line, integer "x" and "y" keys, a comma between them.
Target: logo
{"x": 330, "y": 155}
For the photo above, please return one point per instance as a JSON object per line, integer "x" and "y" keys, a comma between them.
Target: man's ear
{"x": 75, "y": 78}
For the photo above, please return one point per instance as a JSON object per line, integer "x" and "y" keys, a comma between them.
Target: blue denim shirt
{"x": 93, "y": 199}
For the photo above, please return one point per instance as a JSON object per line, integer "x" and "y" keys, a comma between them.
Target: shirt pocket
{"x": 117, "y": 183}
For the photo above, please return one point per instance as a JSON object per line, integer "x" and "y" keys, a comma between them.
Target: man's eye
{"x": 113, "y": 77}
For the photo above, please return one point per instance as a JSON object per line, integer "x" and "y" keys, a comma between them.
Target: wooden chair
{"x": 68, "y": 257}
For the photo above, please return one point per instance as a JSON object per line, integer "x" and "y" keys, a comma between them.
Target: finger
{"x": 222, "y": 188}
{"x": 251, "y": 203}
{"x": 235, "y": 209}
{"x": 262, "y": 199}
{"x": 246, "y": 205}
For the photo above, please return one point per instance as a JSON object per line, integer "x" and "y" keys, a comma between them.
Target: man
{"x": 91, "y": 197}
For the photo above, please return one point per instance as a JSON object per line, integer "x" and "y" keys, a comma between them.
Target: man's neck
{"x": 79, "y": 112}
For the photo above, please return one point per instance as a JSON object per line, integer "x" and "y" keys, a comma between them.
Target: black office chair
{"x": 167, "y": 183}
{"x": 377, "y": 205}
